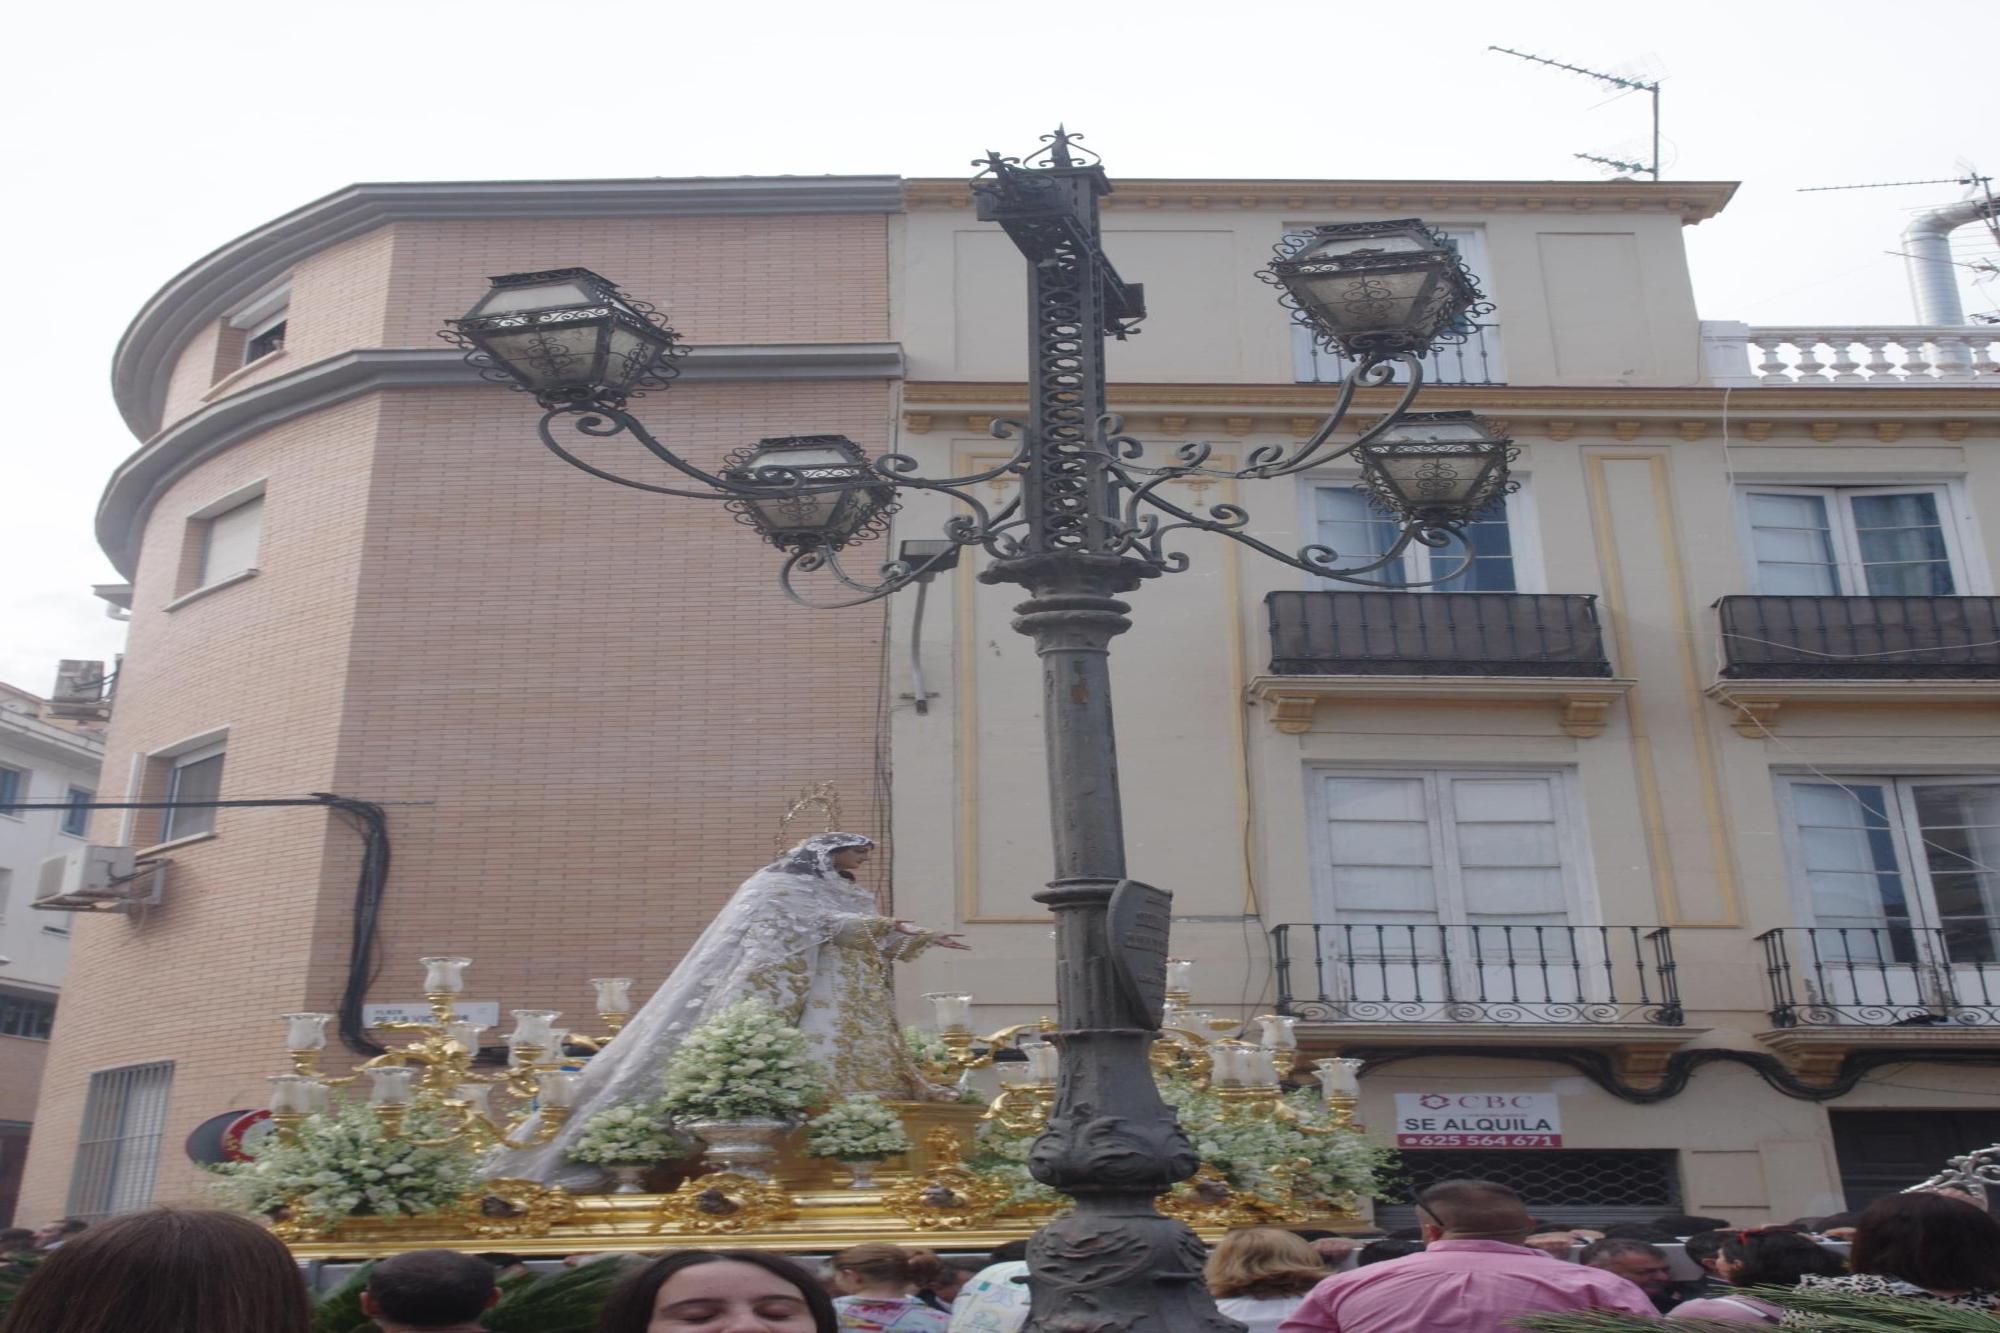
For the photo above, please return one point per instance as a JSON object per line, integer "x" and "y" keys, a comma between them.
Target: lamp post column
{"x": 1115, "y": 1264}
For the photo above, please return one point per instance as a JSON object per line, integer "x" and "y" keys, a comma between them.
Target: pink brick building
{"x": 356, "y": 571}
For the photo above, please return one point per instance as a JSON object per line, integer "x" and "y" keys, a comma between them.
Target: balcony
{"x": 1549, "y": 977}
{"x": 1474, "y": 361}
{"x": 1894, "y": 976}
{"x": 1417, "y": 646}
{"x": 1742, "y": 355}
{"x": 1860, "y": 638}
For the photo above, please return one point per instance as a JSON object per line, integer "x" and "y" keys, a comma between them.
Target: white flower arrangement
{"x": 927, "y": 1048}
{"x": 342, "y": 1166}
{"x": 632, "y": 1134}
{"x": 857, "y": 1129}
{"x": 1246, "y": 1150}
{"x": 743, "y": 1063}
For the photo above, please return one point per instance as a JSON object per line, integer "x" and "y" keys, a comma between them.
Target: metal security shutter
{"x": 118, "y": 1151}
{"x": 1569, "y": 1186}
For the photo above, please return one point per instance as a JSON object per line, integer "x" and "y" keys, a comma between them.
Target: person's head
{"x": 1936, "y": 1242}
{"x": 1679, "y": 1225}
{"x": 1263, "y": 1262}
{"x": 826, "y": 854}
{"x": 14, "y": 1240}
{"x": 429, "y": 1289}
{"x": 1377, "y": 1251}
{"x": 1772, "y": 1258}
{"x": 1473, "y": 1210}
{"x": 881, "y": 1269}
{"x": 167, "y": 1270}
{"x": 1641, "y": 1264}
{"x": 1704, "y": 1246}
{"x": 55, "y": 1233}
{"x": 719, "y": 1291}
{"x": 949, "y": 1280}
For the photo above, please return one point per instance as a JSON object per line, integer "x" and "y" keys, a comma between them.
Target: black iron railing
{"x": 1860, "y": 638}
{"x": 1476, "y": 974}
{"x": 1884, "y": 976}
{"x": 1435, "y": 634}
{"x": 1474, "y": 361}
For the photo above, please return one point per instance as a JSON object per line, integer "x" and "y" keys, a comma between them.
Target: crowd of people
{"x": 1476, "y": 1263}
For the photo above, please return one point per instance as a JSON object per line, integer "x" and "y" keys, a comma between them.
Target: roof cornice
{"x": 213, "y": 285}
{"x": 1691, "y": 201}
{"x": 129, "y": 495}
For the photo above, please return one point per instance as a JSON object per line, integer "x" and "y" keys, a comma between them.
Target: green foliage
{"x": 565, "y": 1302}
{"x": 13, "y": 1273}
{"x": 1831, "y": 1311}
{"x": 339, "y": 1311}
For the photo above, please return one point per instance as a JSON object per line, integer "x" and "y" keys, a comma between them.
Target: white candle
{"x": 952, "y": 1010}
{"x": 475, "y": 1095}
{"x": 1179, "y": 973}
{"x": 444, "y": 975}
{"x": 305, "y": 1032}
{"x": 1279, "y": 1032}
{"x": 1338, "y": 1077}
{"x": 533, "y": 1027}
{"x": 614, "y": 994}
{"x": 292, "y": 1094}
{"x": 1044, "y": 1061}
{"x": 558, "y": 1089}
{"x": 391, "y": 1085}
{"x": 1229, "y": 1067}
{"x": 465, "y": 1034}
{"x": 322, "y": 1098}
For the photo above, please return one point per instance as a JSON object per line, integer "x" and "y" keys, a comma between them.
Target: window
{"x": 26, "y": 1016}
{"x": 1474, "y": 361}
{"x": 229, "y": 542}
{"x": 76, "y": 819}
{"x": 6, "y": 891}
{"x": 118, "y": 1145}
{"x": 194, "y": 776}
{"x": 1346, "y": 520}
{"x": 1874, "y": 541}
{"x": 1902, "y": 866}
{"x": 263, "y": 340}
{"x": 13, "y": 790}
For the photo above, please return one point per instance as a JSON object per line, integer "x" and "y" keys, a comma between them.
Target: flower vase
{"x": 861, "y": 1172}
{"x": 628, "y": 1176}
{"x": 747, "y": 1147}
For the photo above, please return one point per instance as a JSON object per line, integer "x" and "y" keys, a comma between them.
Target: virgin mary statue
{"x": 800, "y": 935}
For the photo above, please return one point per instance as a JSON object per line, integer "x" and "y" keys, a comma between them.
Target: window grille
{"x": 23, "y": 1016}
{"x": 118, "y": 1150}
{"x": 1558, "y": 1185}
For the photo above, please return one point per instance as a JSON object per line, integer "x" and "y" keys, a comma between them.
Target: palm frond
{"x": 339, "y": 1311}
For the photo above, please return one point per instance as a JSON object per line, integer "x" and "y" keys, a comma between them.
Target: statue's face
{"x": 850, "y": 858}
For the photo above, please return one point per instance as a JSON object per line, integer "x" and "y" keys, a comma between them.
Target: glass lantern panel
{"x": 1401, "y": 241}
{"x": 802, "y": 513}
{"x": 547, "y": 358}
{"x": 539, "y": 296}
{"x": 814, "y": 458}
{"x": 1435, "y": 478}
{"x": 629, "y": 353}
{"x": 1365, "y": 302}
{"x": 1413, "y": 432}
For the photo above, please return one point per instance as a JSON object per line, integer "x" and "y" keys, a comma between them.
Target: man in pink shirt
{"x": 1473, "y": 1276}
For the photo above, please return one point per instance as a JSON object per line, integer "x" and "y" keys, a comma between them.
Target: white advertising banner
{"x": 1478, "y": 1120}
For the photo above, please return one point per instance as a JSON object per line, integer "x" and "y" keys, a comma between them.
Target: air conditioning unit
{"x": 99, "y": 879}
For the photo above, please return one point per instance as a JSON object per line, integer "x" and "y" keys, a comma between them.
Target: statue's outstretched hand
{"x": 949, "y": 942}
{"x": 941, "y": 941}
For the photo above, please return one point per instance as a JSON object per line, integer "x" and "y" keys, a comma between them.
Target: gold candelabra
{"x": 434, "y": 1070}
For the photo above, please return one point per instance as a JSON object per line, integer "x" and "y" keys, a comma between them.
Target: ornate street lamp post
{"x": 1088, "y": 523}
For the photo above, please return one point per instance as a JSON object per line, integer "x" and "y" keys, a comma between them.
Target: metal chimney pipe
{"x": 1927, "y": 251}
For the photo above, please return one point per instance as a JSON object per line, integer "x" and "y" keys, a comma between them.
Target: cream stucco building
{"x": 1532, "y": 833}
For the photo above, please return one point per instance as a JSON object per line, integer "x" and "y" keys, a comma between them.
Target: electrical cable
{"x": 371, "y": 820}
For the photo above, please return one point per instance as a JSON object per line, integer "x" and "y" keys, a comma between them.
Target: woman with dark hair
{"x": 711, "y": 1289}
{"x": 168, "y": 1270}
{"x": 1776, "y": 1257}
{"x": 1925, "y": 1247}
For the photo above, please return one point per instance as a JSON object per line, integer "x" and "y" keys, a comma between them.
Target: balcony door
{"x": 1499, "y": 538}
{"x": 1452, "y": 895}
{"x": 1899, "y": 879}
{"x": 1853, "y": 541}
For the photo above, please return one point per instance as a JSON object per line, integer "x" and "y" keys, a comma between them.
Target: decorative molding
{"x": 1757, "y": 431}
{"x": 1238, "y": 425}
{"x": 1583, "y": 704}
{"x": 917, "y": 423}
{"x": 1303, "y": 427}
{"x": 138, "y": 481}
{"x": 1625, "y": 430}
{"x": 1691, "y": 431}
{"x": 1692, "y": 201}
{"x": 1562, "y": 430}
{"x": 1753, "y": 716}
{"x": 1954, "y": 430}
{"x": 223, "y": 280}
{"x": 1888, "y": 432}
{"x": 1754, "y": 705}
{"x": 1824, "y": 431}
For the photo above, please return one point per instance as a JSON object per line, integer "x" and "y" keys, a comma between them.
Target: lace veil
{"x": 782, "y": 913}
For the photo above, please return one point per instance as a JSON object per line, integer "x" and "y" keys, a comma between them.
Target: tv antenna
{"x": 1651, "y": 87}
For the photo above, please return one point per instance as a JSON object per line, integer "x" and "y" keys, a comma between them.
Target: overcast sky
{"x": 145, "y": 136}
